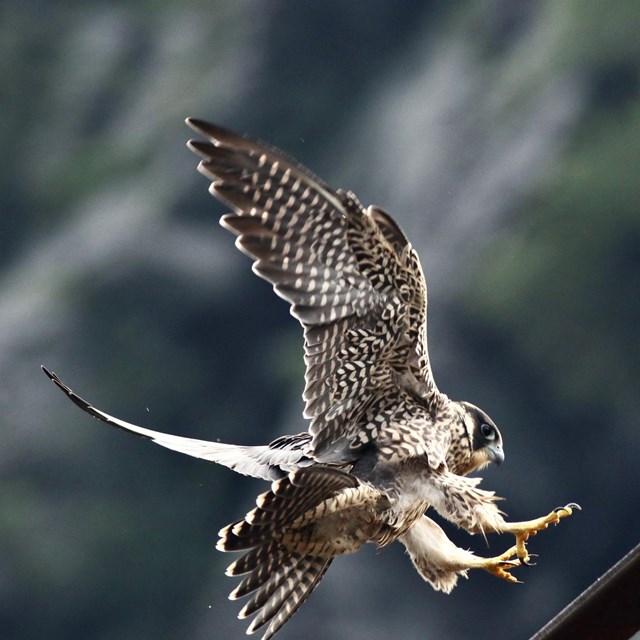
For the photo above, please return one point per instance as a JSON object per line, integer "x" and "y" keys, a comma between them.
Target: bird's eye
{"x": 488, "y": 431}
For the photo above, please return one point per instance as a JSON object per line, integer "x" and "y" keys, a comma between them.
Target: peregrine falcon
{"x": 383, "y": 444}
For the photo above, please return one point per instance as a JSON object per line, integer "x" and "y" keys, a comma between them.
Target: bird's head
{"x": 484, "y": 437}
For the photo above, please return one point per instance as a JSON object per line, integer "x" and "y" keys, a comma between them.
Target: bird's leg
{"x": 522, "y": 530}
{"x": 461, "y": 501}
{"x": 441, "y": 562}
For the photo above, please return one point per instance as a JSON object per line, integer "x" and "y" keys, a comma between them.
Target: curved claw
{"x": 527, "y": 561}
{"x": 504, "y": 564}
{"x": 568, "y": 507}
{"x": 567, "y": 510}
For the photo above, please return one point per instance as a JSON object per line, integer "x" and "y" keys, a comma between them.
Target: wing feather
{"x": 268, "y": 462}
{"x": 349, "y": 274}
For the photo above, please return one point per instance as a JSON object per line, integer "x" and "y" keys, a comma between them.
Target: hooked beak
{"x": 496, "y": 453}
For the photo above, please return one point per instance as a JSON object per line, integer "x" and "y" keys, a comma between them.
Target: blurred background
{"x": 504, "y": 136}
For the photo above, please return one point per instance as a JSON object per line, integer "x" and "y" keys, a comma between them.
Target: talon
{"x": 509, "y": 563}
{"x": 505, "y": 575}
{"x": 527, "y": 561}
{"x": 501, "y": 565}
{"x": 563, "y": 512}
{"x": 568, "y": 508}
{"x": 523, "y": 530}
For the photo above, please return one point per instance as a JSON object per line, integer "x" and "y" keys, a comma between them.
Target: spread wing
{"x": 352, "y": 279}
{"x": 268, "y": 462}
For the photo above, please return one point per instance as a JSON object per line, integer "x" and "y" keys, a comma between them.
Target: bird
{"x": 383, "y": 444}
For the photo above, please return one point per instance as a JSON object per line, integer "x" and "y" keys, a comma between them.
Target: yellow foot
{"x": 522, "y": 530}
{"x": 501, "y": 565}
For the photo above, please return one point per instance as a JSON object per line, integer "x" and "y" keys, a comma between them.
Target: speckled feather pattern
{"x": 383, "y": 445}
{"x": 356, "y": 285}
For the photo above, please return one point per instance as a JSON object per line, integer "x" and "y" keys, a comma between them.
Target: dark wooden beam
{"x": 608, "y": 609}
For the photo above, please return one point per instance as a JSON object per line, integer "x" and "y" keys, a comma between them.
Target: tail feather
{"x": 265, "y": 582}
{"x": 279, "y": 576}
{"x": 290, "y": 596}
{"x": 256, "y": 557}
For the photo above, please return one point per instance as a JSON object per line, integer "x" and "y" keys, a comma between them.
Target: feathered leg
{"x": 461, "y": 501}
{"x": 440, "y": 562}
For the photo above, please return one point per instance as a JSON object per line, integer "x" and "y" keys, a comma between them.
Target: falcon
{"x": 383, "y": 444}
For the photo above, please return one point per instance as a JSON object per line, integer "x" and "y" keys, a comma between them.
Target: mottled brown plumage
{"x": 383, "y": 444}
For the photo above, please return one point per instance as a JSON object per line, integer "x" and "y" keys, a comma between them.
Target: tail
{"x": 284, "y": 563}
{"x": 268, "y": 462}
